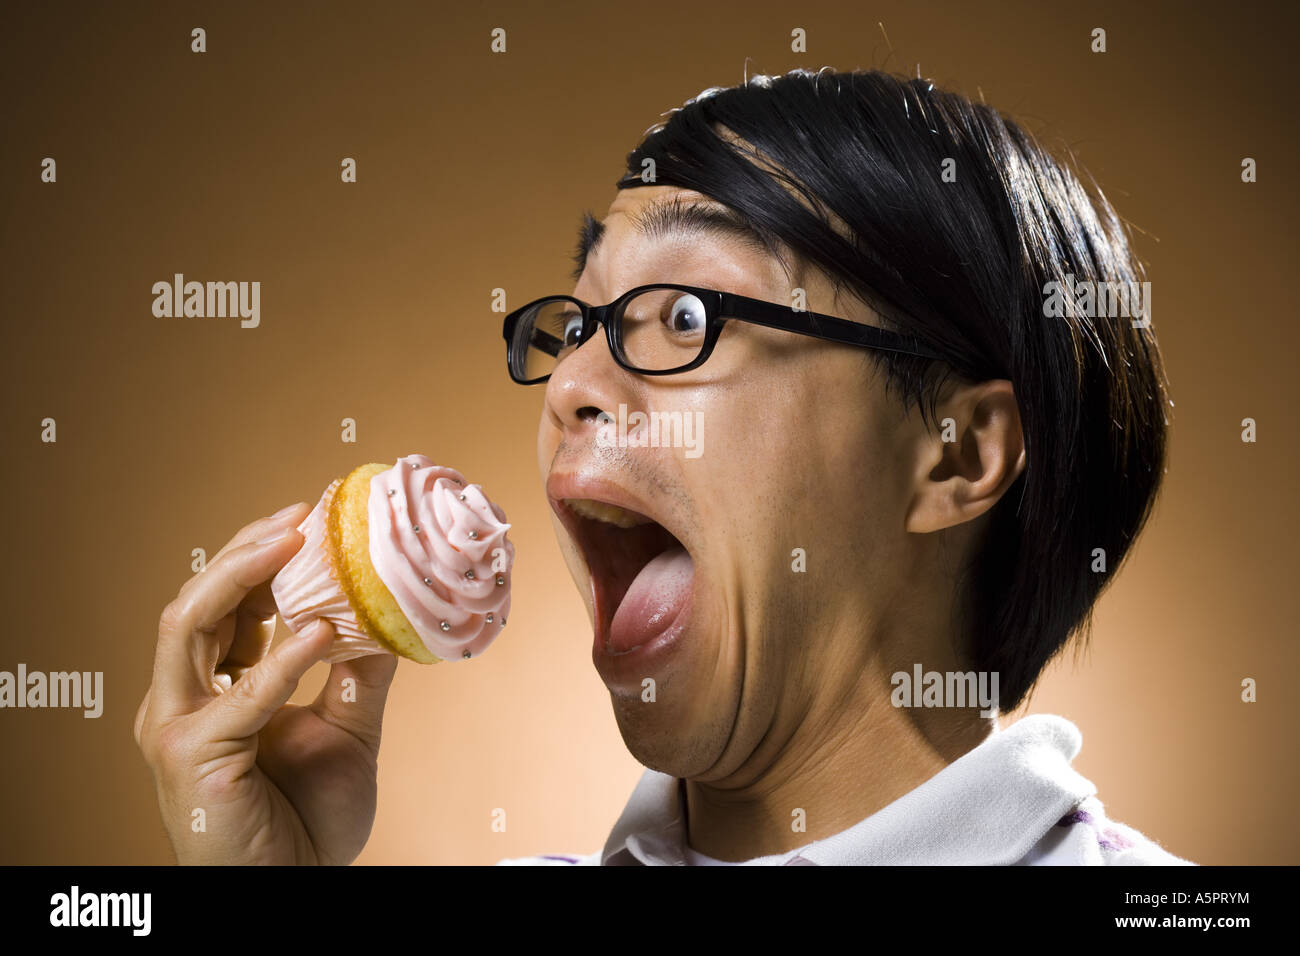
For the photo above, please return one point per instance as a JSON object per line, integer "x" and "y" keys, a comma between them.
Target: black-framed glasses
{"x": 666, "y": 328}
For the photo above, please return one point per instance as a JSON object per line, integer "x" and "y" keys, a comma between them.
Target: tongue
{"x": 653, "y": 602}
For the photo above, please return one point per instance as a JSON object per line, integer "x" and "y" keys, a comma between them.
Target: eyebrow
{"x": 674, "y": 216}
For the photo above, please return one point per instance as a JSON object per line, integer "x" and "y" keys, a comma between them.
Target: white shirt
{"x": 1014, "y": 799}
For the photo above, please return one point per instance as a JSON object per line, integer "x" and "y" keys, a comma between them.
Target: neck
{"x": 847, "y": 757}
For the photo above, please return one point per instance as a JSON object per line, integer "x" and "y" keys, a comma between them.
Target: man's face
{"x": 737, "y": 612}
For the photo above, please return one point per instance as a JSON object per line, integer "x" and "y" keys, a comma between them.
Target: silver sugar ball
{"x": 465, "y": 655}
{"x": 473, "y": 535}
{"x": 501, "y": 579}
{"x": 489, "y": 618}
{"x": 445, "y": 626}
{"x": 470, "y": 574}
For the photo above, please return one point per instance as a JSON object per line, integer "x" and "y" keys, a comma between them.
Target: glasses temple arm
{"x": 826, "y": 327}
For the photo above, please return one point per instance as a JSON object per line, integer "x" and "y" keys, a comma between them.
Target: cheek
{"x": 761, "y": 476}
{"x": 803, "y": 464}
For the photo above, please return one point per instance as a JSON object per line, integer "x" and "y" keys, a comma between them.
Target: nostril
{"x": 588, "y": 413}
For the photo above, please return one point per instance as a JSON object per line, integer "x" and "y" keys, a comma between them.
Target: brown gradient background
{"x": 473, "y": 168}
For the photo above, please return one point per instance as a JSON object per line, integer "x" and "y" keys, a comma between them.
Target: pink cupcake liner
{"x": 307, "y": 589}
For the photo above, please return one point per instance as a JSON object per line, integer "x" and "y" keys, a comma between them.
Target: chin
{"x": 684, "y": 730}
{"x": 669, "y": 738}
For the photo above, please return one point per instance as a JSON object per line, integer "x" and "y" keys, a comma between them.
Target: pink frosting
{"x": 440, "y": 547}
{"x": 440, "y": 553}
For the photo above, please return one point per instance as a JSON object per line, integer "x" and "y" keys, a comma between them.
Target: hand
{"x": 277, "y": 783}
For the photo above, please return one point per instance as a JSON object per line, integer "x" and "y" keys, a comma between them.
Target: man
{"x": 824, "y": 441}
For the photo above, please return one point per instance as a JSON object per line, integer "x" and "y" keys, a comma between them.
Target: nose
{"x": 586, "y": 383}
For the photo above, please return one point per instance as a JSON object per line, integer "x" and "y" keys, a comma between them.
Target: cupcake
{"x": 408, "y": 560}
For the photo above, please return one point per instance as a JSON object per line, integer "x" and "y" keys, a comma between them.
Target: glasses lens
{"x": 662, "y": 329}
{"x": 546, "y": 332}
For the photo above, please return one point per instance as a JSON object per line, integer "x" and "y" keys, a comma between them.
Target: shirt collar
{"x": 651, "y": 830}
{"x": 990, "y": 806}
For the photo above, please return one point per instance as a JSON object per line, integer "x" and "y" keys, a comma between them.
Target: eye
{"x": 572, "y": 329}
{"x": 686, "y": 314}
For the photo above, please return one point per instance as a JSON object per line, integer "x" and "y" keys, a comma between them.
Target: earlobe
{"x": 967, "y": 464}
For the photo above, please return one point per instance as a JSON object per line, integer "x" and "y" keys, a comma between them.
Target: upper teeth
{"x": 600, "y": 511}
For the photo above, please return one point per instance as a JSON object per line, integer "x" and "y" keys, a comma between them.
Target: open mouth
{"x": 641, "y": 574}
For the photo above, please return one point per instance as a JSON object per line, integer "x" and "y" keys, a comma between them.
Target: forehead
{"x": 670, "y": 234}
{"x": 627, "y": 201}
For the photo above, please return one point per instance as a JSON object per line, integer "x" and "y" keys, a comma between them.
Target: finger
{"x": 355, "y": 693}
{"x": 255, "y": 625}
{"x": 220, "y": 636}
{"x": 254, "y": 698}
{"x": 254, "y": 629}
{"x": 140, "y": 717}
{"x": 188, "y": 631}
{"x": 256, "y": 530}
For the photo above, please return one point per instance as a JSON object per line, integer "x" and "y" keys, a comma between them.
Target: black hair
{"x": 964, "y": 266}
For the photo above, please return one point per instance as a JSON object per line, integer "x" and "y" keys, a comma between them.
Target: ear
{"x": 967, "y": 465}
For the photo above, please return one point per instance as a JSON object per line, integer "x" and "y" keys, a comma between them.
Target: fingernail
{"x": 284, "y": 511}
{"x": 275, "y": 537}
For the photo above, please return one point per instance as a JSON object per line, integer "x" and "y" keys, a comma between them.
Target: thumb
{"x": 355, "y": 693}
{"x": 254, "y": 699}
